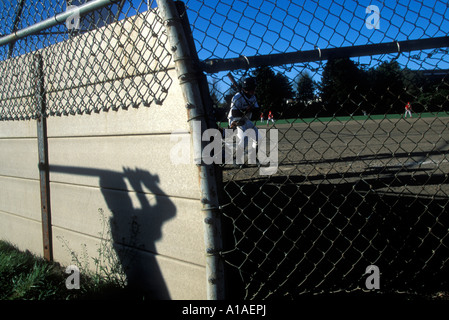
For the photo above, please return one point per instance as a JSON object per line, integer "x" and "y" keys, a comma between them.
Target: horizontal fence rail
{"x": 217, "y": 65}
{"x": 55, "y": 20}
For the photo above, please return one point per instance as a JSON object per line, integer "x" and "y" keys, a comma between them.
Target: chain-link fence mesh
{"x": 360, "y": 182}
{"x": 121, "y": 64}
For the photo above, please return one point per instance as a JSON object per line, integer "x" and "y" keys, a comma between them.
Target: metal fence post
{"x": 44, "y": 178}
{"x": 189, "y": 76}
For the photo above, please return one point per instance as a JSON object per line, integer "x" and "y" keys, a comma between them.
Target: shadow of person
{"x": 136, "y": 225}
{"x": 139, "y": 208}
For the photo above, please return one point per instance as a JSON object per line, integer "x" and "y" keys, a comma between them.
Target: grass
{"x": 24, "y": 276}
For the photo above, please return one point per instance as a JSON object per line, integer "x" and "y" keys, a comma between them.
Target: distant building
{"x": 433, "y": 75}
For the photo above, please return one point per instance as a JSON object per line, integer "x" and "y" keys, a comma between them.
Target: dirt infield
{"x": 407, "y": 150}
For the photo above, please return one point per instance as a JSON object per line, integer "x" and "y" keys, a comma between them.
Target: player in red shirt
{"x": 270, "y": 117}
{"x": 408, "y": 110}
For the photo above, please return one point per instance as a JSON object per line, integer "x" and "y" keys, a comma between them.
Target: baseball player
{"x": 270, "y": 118}
{"x": 408, "y": 110}
{"x": 242, "y": 105}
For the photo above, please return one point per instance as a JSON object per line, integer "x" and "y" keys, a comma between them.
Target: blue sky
{"x": 229, "y": 28}
{"x": 38, "y": 10}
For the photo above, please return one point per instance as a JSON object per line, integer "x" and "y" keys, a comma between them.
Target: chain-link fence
{"x": 111, "y": 69}
{"x": 360, "y": 181}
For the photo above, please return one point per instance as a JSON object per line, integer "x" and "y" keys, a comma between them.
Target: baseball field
{"x": 343, "y": 150}
{"x": 348, "y": 193}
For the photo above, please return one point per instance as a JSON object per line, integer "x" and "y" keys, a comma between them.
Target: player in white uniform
{"x": 242, "y": 105}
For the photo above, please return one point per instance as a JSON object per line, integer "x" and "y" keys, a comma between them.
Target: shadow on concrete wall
{"x": 138, "y": 215}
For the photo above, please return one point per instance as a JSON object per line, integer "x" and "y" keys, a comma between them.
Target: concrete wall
{"x": 111, "y": 175}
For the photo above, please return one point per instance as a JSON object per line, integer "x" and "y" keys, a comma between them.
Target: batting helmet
{"x": 249, "y": 84}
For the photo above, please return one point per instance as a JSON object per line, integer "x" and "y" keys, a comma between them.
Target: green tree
{"x": 304, "y": 106}
{"x": 342, "y": 87}
{"x": 427, "y": 92}
{"x": 388, "y": 94}
{"x": 273, "y": 90}
{"x": 305, "y": 88}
